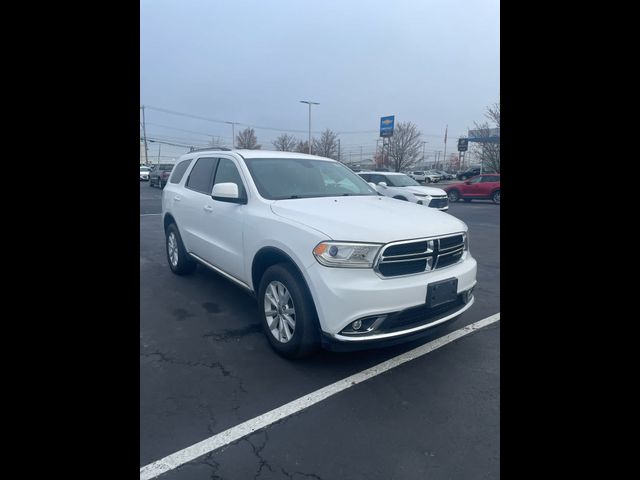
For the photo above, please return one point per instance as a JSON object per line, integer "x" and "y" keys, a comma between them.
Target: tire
{"x": 453, "y": 195}
{"x": 304, "y": 339}
{"x": 181, "y": 264}
{"x": 401, "y": 198}
{"x": 496, "y": 197}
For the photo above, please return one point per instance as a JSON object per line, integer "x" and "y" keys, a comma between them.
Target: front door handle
{"x": 177, "y": 198}
{"x": 208, "y": 208}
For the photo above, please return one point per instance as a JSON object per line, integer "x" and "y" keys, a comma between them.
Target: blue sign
{"x": 386, "y": 126}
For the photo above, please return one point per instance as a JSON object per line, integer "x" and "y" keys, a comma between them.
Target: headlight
{"x": 341, "y": 254}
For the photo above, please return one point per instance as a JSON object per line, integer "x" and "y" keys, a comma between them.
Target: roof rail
{"x": 225, "y": 149}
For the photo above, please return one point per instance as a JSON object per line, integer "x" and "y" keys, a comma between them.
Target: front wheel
{"x": 496, "y": 197}
{"x": 288, "y": 315}
{"x": 453, "y": 195}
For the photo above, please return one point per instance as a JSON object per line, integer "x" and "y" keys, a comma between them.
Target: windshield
{"x": 165, "y": 168}
{"x": 281, "y": 178}
{"x": 401, "y": 181}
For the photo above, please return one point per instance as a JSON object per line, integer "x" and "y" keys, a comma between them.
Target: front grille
{"x": 422, "y": 255}
{"x": 439, "y": 202}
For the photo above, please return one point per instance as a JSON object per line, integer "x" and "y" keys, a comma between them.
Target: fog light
{"x": 356, "y": 325}
{"x": 468, "y": 295}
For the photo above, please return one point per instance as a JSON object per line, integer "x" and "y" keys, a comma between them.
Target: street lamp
{"x": 309, "y": 103}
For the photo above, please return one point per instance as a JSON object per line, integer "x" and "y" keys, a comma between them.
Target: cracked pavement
{"x": 205, "y": 366}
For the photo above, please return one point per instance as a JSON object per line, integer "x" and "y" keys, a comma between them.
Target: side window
{"x": 475, "y": 179}
{"x": 490, "y": 178}
{"x": 227, "y": 172}
{"x": 377, "y": 179}
{"x": 201, "y": 176}
{"x": 366, "y": 177}
{"x": 178, "y": 172}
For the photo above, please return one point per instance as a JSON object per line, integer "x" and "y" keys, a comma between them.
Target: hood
{"x": 368, "y": 218}
{"x": 423, "y": 190}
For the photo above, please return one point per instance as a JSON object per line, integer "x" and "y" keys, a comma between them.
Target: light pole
{"x": 309, "y": 102}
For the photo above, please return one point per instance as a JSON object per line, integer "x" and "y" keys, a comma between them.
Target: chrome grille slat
{"x": 454, "y": 247}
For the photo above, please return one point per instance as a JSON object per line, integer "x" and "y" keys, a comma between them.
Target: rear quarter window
{"x": 178, "y": 172}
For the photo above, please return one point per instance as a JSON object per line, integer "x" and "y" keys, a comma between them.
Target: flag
{"x": 445, "y": 134}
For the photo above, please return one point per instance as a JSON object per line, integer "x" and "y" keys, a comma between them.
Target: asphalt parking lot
{"x": 205, "y": 366}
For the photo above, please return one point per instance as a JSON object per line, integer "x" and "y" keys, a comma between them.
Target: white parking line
{"x": 233, "y": 434}
{"x": 149, "y": 214}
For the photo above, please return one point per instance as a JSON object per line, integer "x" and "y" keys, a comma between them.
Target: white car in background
{"x": 402, "y": 187}
{"x": 144, "y": 173}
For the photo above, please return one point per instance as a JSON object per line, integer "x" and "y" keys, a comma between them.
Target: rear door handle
{"x": 208, "y": 208}
{"x": 177, "y": 198}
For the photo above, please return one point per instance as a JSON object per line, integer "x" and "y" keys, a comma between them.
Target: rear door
{"x": 194, "y": 199}
{"x": 488, "y": 184}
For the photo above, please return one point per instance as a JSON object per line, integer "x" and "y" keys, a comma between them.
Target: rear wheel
{"x": 177, "y": 256}
{"x": 453, "y": 195}
{"x": 496, "y": 197}
{"x": 288, "y": 315}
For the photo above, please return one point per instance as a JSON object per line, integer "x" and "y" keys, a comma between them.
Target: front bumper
{"x": 343, "y": 295}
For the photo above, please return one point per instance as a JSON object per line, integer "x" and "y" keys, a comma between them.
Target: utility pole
{"x": 339, "y": 157}
{"x": 233, "y": 134}
{"x": 144, "y": 131}
{"x": 308, "y": 102}
{"x": 159, "y": 146}
{"x": 444, "y": 157}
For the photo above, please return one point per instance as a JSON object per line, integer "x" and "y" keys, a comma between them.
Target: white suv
{"x": 403, "y": 187}
{"x": 330, "y": 261}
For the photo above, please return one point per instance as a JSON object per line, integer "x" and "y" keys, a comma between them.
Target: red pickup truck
{"x": 480, "y": 187}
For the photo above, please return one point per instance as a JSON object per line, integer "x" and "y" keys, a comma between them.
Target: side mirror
{"x": 227, "y": 192}
{"x": 372, "y": 185}
{"x": 383, "y": 184}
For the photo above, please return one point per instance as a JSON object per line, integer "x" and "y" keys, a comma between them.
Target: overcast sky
{"x": 432, "y": 62}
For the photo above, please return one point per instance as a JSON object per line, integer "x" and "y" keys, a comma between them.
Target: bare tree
{"x": 487, "y": 148}
{"x": 327, "y": 145}
{"x": 247, "y": 139}
{"x": 302, "y": 147}
{"x": 406, "y": 146}
{"x": 215, "y": 142}
{"x": 285, "y": 143}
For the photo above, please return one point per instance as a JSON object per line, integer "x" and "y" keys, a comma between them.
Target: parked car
{"x": 465, "y": 174}
{"x": 159, "y": 174}
{"x": 446, "y": 175}
{"x": 403, "y": 187}
{"x": 422, "y": 176}
{"x": 434, "y": 175}
{"x": 481, "y": 187}
{"x": 330, "y": 261}
{"x": 144, "y": 173}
